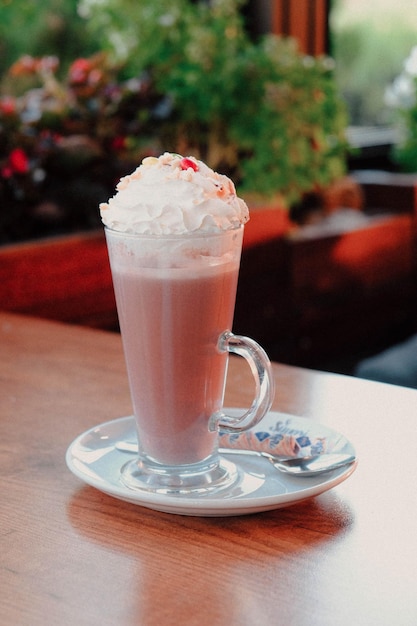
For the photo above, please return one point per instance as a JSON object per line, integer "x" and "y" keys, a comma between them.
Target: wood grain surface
{"x": 72, "y": 555}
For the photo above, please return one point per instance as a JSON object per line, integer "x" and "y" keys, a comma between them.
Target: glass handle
{"x": 260, "y": 366}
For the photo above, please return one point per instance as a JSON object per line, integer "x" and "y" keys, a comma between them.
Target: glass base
{"x": 209, "y": 476}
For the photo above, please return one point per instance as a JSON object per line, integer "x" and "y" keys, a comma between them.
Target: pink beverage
{"x": 171, "y": 321}
{"x": 175, "y": 299}
{"x": 174, "y": 233}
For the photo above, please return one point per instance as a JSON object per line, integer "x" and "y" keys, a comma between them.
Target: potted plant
{"x": 173, "y": 75}
{"x": 261, "y": 111}
{"x": 189, "y": 80}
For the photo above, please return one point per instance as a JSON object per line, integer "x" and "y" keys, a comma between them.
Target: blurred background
{"x": 309, "y": 105}
{"x": 369, "y": 40}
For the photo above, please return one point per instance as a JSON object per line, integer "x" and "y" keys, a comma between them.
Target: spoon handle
{"x": 296, "y": 466}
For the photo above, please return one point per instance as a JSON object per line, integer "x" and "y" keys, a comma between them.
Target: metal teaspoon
{"x": 298, "y": 466}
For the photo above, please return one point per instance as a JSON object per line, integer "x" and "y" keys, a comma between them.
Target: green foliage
{"x": 402, "y": 96}
{"x": 41, "y": 28}
{"x": 406, "y": 152}
{"x": 293, "y": 135}
{"x": 261, "y": 112}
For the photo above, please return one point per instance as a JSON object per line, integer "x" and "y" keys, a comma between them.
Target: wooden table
{"x": 71, "y": 555}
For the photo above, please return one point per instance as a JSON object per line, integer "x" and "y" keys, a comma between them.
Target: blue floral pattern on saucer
{"x": 282, "y": 439}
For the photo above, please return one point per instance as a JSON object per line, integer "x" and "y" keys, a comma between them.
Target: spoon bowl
{"x": 313, "y": 465}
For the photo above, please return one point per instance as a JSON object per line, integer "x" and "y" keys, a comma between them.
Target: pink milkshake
{"x": 170, "y": 320}
{"x": 174, "y": 233}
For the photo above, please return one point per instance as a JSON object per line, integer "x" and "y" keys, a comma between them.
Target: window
{"x": 370, "y": 41}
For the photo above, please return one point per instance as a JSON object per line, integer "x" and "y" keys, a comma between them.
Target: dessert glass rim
{"x": 176, "y": 236}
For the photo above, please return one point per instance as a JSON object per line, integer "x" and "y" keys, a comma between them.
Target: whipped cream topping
{"x": 174, "y": 195}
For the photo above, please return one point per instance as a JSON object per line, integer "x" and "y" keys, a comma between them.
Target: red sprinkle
{"x": 186, "y": 163}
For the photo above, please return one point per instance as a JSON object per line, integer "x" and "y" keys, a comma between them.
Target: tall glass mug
{"x": 175, "y": 299}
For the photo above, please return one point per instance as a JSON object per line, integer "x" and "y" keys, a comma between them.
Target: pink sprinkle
{"x": 185, "y": 164}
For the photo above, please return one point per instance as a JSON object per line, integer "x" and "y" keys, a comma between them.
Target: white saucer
{"x": 94, "y": 458}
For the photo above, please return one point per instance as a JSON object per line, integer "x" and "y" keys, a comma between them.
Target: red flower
{"x": 119, "y": 143}
{"x": 79, "y": 71}
{"x": 7, "y": 105}
{"x": 6, "y": 172}
{"x": 18, "y": 161}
